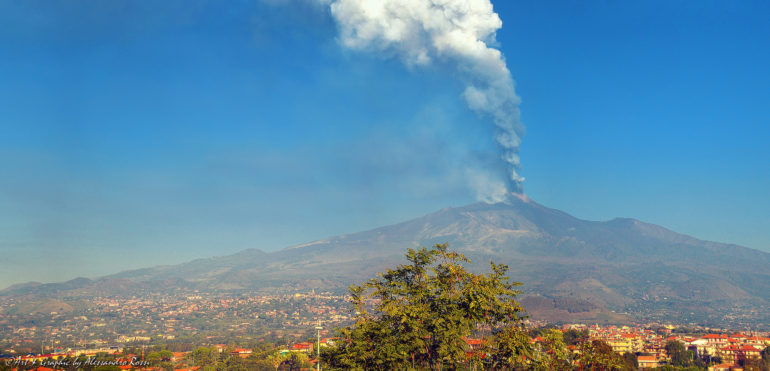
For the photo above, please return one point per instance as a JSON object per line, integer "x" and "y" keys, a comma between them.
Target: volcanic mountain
{"x": 618, "y": 270}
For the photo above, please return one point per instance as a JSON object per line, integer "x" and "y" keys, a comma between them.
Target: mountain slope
{"x": 623, "y": 264}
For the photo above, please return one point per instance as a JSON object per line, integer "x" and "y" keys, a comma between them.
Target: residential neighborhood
{"x": 189, "y": 330}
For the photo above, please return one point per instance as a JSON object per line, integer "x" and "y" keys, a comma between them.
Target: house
{"x": 177, "y": 356}
{"x": 241, "y": 352}
{"x": 474, "y": 347}
{"x": 701, "y": 346}
{"x": 474, "y": 343}
{"x": 716, "y": 339}
{"x": 302, "y": 347}
{"x": 623, "y": 343}
{"x": 648, "y": 362}
{"x": 325, "y": 342}
{"x": 726, "y": 367}
{"x": 739, "y": 352}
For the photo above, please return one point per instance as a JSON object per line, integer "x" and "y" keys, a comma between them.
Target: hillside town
{"x": 38, "y": 325}
{"x": 649, "y": 346}
{"x": 728, "y": 350}
{"x": 191, "y": 330}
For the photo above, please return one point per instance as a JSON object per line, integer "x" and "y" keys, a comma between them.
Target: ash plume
{"x": 455, "y": 32}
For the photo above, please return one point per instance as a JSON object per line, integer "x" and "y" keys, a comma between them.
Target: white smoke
{"x": 457, "y": 32}
{"x": 488, "y": 188}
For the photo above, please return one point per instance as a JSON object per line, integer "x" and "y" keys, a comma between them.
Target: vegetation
{"x": 679, "y": 355}
{"x": 419, "y": 315}
{"x": 761, "y": 364}
{"x": 433, "y": 314}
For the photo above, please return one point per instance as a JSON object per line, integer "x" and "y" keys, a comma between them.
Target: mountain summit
{"x": 567, "y": 265}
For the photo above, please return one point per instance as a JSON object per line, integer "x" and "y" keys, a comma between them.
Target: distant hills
{"x": 618, "y": 271}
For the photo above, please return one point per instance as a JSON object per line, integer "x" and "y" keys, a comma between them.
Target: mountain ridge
{"x": 623, "y": 264}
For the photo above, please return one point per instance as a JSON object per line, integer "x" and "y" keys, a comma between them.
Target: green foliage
{"x": 598, "y": 355}
{"x": 679, "y": 355}
{"x": 235, "y": 363}
{"x": 753, "y": 364}
{"x": 575, "y": 337}
{"x": 276, "y": 359}
{"x": 554, "y": 354}
{"x": 418, "y": 314}
{"x": 511, "y": 348}
{"x": 264, "y": 365}
{"x": 297, "y": 361}
{"x": 205, "y": 357}
{"x": 757, "y": 364}
{"x": 153, "y": 358}
{"x": 631, "y": 361}
{"x": 766, "y": 359}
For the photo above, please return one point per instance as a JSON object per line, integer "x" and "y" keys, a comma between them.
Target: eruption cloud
{"x": 456, "y": 32}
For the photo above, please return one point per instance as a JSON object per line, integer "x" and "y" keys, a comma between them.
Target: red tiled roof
{"x": 471, "y": 341}
{"x": 715, "y": 336}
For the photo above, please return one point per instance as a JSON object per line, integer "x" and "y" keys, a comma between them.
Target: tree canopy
{"x": 422, "y": 314}
{"x": 679, "y": 355}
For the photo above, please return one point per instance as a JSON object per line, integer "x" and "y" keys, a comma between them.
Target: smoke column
{"x": 457, "y": 32}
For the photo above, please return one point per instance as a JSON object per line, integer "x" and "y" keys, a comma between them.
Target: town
{"x": 261, "y": 331}
{"x": 49, "y": 324}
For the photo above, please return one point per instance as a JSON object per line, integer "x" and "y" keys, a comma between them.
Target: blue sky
{"x": 138, "y": 133}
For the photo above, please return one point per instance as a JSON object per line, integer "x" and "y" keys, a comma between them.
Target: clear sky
{"x": 141, "y": 133}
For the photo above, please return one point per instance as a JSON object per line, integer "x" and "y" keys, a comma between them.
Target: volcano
{"x": 621, "y": 269}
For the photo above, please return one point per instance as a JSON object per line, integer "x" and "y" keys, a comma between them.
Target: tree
{"x": 204, "y": 357}
{"x": 511, "y": 348}
{"x": 166, "y": 355}
{"x": 631, "y": 361}
{"x": 766, "y": 358}
{"x": 598, "y": 355}
{"x": 297, "y": 361}
{"x": 678, "y": 354}
{"x": 153, "y": 358}
{"x": 276, "y": 359}
{"x": 575, "y": 337}
{"x": 554, "y": 353}
{"x": 419, "y": 314}
{"x": 757, "y": 364}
